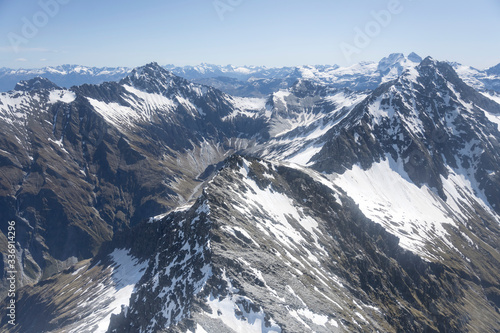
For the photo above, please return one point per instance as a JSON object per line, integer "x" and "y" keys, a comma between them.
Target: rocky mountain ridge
{"x": 267, "y": 247}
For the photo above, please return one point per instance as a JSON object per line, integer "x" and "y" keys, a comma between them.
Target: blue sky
{"x": 245, "y": 32}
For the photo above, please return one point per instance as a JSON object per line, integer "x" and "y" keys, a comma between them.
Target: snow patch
{"x": 279, "y": 209}
{"x": 64, "y": 96}
{"x": 228, "y": 310}
{"x": 126, "y": 273}
{"x": 385, "y": 194}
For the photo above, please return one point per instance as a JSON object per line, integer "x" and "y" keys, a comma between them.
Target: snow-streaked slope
{"x": 173, "y": 310}
{"x": 493, "y": 96}
{"x": 113, "y": 294}
{"x": 297, "y": 125}
{"x": 146, "y": 102}
{"x": 233, "y": 311}
{"x": 118, "y": 115}
{"x": 279, "y": 208}
{"x": 309, "y": 117}
{"x": 64, "y": 96}
{"x": 493, "y": 117}
{"x": 462, "y": 193}
{"x": 86, "y": 297}
{"x": 12, "y": 107}
{"x": 18, "y": 106}
{"x": 276, "y": 225}
{"x": 386, "y": 195}
{"x": 250, "y": 107}
{"x": 255, "y": 227}
{"x": 141, "y": 107}
{"x": 470, "y": 75}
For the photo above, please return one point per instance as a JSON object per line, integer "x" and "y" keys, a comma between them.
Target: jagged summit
{"x": 389, "y": 61}
{"x": 414, "y": 57}
{"x": 439, "y": 75}
{"x": 428, "y": 59}
{"x": 152, "y": 78}
{"x": 151, "y": 69}
{"x": 392, "y": 66}
{"x": 397, "y": 60}
{"x": 37, "y": 83}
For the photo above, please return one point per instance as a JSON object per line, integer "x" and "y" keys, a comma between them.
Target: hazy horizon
{"x": 40, "y": 33}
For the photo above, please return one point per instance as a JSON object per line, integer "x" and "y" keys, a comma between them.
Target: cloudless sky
{"x": 244, "y": 32}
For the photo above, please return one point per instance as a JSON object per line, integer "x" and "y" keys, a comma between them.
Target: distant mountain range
{"x": 258, "y": 81}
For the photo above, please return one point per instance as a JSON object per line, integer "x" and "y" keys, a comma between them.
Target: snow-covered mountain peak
{"x": 428, "y": 61}
{"x": 441, "y": 81}
{"x": 151, "y": 78}
{"x": 389, "y": 61}
{"x": 36, "y": 83}
{"x": 432, "y": 74}
{"x": 436, "y": 75}
{"x": 150, "y": 67}
{"x": 414, "y": 57}
{"x": 395, "y": 64}
{"x": 431, "y": 91}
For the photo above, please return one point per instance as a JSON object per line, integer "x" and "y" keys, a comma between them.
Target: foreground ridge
{"x": 274, "y": 247}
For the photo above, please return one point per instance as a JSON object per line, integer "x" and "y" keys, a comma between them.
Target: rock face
{"x": 312, "y": 209}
